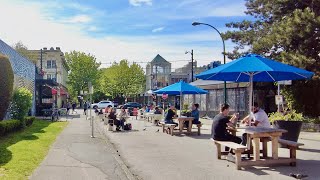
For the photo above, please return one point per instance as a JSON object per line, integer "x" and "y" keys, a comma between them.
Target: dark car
{"x": 132, "y": 105}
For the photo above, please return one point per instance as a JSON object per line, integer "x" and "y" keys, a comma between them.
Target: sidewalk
{"x": 75, "y": 155}
{"x": 153, "y": 155}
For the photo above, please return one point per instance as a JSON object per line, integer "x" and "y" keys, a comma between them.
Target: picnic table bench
{"x": 293, "y": 146}
{"x": 167, "y": 128}
{"x": 238, "y": 149}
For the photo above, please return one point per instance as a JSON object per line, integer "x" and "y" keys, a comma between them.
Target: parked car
{"x": 116, "y": 103}
{"x": 132, "y": 105}
{"x": 102, "y": 104}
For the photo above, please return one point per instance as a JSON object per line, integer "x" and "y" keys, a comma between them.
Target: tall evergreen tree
{"x": 288, "y": 31}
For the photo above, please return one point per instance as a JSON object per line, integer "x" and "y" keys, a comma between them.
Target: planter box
{"x": 293, "y": 128}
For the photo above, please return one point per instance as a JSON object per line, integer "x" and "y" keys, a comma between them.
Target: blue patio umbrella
{"x": 253, "y": 67}
{"x": 180, "y": 88}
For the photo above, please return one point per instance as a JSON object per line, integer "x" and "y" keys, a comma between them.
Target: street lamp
{"x": 191, "y": 63}
{"x": 224, "y": 54}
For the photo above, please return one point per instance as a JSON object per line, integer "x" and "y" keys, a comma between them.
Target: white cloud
{"x": 157, "y": 29}
{"x": 93, "y": 28}
{"x": 140, "y": 2}
{"x": 81, "y": 18}
{"x": 34, "y": 29}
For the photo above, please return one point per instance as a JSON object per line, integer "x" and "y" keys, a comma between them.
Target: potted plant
{"x": 185, "y": 111}
{"x": 290, "y": 121}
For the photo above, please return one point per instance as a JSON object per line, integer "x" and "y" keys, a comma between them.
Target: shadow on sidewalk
{"x": 286, "y": 170}
{"x": 15, "y": 137}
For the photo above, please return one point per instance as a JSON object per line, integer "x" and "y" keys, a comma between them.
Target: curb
{"x": 123, "y": 166}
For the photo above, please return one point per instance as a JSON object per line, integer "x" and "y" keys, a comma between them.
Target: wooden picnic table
{"x": 262, "y": 134}
{"x": 181, "y": 121}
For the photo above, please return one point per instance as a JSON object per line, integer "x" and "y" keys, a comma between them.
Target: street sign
{"x": 279, "y": 99}
{"x": 164, "y": 96}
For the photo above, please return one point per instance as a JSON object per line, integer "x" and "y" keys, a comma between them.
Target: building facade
{"x": 54, "y": 70}
{"x": 158, "y": 73}
{"x": 24, "y": 70}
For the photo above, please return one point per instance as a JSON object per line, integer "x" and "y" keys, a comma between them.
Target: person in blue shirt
{"x": 195, "y": 114}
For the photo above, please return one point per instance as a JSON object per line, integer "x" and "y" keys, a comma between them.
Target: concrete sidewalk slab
{"x": 75, "y": 155}
{"x": 154, "y": 155}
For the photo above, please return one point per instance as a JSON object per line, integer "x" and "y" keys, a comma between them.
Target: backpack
{"x": 127, "y": 127}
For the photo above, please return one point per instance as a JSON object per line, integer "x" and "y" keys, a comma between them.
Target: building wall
{"x": 57, "y": 72}
{"x": 23, "y": 69}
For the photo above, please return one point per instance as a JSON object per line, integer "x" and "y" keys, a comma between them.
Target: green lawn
{"x": 23, "y": 151}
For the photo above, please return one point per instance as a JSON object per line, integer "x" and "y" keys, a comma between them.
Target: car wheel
{"x": 94, "y": 107}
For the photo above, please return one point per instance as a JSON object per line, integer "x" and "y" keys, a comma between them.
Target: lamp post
{"x": 224, "y": 54}
{"x": 191, "y": 63}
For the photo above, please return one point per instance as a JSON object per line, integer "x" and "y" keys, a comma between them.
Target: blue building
{"x": 24, "y": 70}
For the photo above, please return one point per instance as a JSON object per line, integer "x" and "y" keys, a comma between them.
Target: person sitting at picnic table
{"x": 195, "y": 114}
{"x": 112, "y": 116}
{"x": 259, "y": 117}
{"x": 220, "y": 123}
{"x": 122, "y": 116}
{"x": 170, "y": 115}
{"x": 157, "y": 111}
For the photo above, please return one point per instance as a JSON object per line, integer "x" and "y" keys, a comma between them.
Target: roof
{"x": 159, "y": 59}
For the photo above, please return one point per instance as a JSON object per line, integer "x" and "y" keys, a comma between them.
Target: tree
{"x": 83, "y": 69}
{"x": 23, "y": 51}
{"x": 122, "y": 79}
{"x": 288, "y": 31}
{"x": 21, "y": 104}
{"x": 6, "y": 85}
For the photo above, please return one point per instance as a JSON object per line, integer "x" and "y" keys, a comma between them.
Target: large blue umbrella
{"x": 180, "y": 88}
{"x": 253, "y": 67}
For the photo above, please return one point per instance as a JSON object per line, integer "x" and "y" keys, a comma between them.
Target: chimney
{"x": 51, "y": 49}
{"x": 45, "y": 48}
{"x": 58, "y": 48}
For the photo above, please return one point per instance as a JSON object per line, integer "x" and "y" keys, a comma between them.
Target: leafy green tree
{"x": 83, "y": 69}
{"x": 288, "y": 31}
{"x": 6, "y": 85}
{"x": 122, "y": 79}
{"x": 21, "y": 104}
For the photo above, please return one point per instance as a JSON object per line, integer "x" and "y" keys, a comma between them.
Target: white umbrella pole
{"x": 250, "y": 95}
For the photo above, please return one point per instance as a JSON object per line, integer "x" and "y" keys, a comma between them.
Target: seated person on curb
{"x": 112, "y": 115}
{"x": 220, "y": 123}
{"x": 195, "y": 114}
{"x": 170, "y": 115}
{"x": 157, "y": 110}
{"x": 259, "y": 117}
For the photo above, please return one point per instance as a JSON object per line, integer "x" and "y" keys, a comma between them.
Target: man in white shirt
{"x": 260, "y": 119}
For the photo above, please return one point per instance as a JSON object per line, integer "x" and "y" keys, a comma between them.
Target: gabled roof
{"x": 159, "y": 59}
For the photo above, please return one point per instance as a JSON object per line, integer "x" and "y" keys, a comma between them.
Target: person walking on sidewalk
{"x": 74, "y": 105}
{"x": 85, "y": 107}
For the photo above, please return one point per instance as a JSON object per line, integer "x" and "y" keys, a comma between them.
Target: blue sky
{"x": 112, "y": 30}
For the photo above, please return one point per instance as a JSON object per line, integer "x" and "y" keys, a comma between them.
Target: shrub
{"x": 9, "y": 126}
{"x": 29, "y": 120}
{"x": 6, "y": 85}
{"x": 21, "y": 103}
{"x": 289, "y": 116}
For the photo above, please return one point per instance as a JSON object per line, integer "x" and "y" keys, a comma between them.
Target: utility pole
{"x": 191, "y": 65}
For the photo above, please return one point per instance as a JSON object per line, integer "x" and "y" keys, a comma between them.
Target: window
{"x": 51, "y": 76}
{"x": 51, "y": 64}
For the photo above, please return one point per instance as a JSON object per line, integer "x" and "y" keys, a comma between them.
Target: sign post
{"x": 90, "y": 93}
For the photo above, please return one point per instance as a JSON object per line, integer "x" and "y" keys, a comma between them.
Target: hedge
{"x": 6, "y": 84}
{"x": 9, "y": 126}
